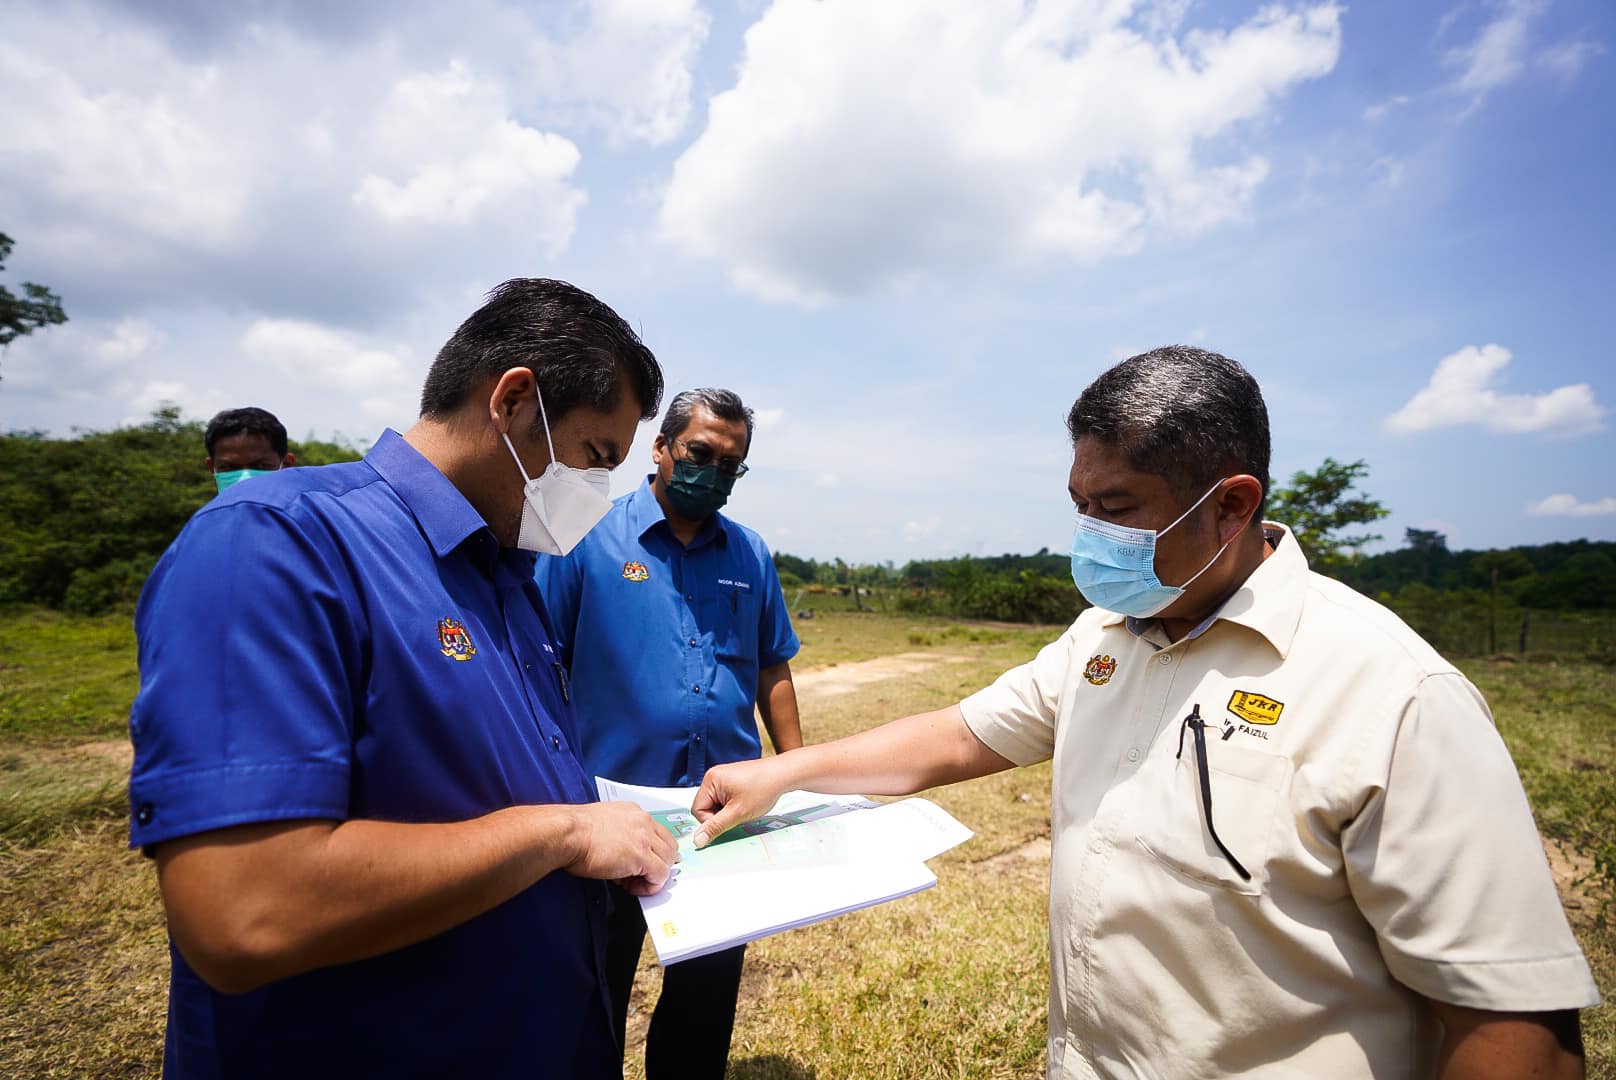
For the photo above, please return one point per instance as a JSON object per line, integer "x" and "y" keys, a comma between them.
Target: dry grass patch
{"x": 951, "y": 982}
{"x": 83, "y": 959}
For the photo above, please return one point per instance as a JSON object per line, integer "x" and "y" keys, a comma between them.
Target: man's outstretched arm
{"x": 899, "y": 758}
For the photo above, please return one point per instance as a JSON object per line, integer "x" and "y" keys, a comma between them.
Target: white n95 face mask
{"x": 560, "y": 506}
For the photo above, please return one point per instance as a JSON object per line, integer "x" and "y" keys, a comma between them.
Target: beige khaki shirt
{"x": 1357, "y": 777}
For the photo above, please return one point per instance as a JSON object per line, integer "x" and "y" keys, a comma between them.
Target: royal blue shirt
{"x": 665, "y": 642}
{"x": 351, "y": 642}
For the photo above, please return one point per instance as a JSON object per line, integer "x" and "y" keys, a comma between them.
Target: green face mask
{"x": 696, "y": 491}
{"x": 236, "y": 476}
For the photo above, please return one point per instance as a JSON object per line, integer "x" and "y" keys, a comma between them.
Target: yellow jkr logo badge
{"x": 1255, "y": 708}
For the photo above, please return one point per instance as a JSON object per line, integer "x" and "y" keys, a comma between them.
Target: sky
{"x": 907, "y": 233}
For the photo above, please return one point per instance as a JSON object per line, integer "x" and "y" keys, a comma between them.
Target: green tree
{"x": 22, "y": 315}
{"x": 83, "y": 520}
{"x": 1319, "y": 505}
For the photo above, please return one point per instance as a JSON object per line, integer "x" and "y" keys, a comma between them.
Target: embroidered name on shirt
{"x": 453, "y": 641}
{"x": 735, "y": 584}
{"x": 634, "y": 570}
{"x": 1100, "y": 669}
{"x": 1255, "y": 708}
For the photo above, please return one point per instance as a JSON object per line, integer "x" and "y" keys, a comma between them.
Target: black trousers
{"x": 691, "y": 1024}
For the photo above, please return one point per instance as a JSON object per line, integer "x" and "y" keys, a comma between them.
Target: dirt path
{"x": 846, "y": 678}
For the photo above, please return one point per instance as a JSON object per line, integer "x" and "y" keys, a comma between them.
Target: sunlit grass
{"x": 951, "y": 982}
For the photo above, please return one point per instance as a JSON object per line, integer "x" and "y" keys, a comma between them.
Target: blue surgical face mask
{"x": 236, "y": 476}
{"x": 1115, "y": 566}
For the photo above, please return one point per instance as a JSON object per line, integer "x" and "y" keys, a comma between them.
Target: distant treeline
{"x": 1575, "y": 575}
{"x": 1559, "y": 596}
{"x": 83, "y": 520}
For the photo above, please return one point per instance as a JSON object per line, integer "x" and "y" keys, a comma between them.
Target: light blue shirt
{"x": 663, "y": 642}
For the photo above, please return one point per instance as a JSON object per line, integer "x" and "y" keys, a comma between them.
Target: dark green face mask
{"x": 695, "y": 491}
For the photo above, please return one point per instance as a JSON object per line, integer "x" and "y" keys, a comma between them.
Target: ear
{"x": 207, "y": 463}
{"x": 1237, "y": 502}
{"x": 289, "y": 460}
{"x": 513, "y": 399}
{"x": 659, "y": 449}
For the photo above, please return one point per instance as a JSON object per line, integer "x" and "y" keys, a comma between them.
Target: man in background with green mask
{"x": 244, "y": 443}
{"x": 673, "y": 627}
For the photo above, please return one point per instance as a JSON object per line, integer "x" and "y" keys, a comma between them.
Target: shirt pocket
{"x": 1247, "y": 798}
{"x": 736, "y": 635}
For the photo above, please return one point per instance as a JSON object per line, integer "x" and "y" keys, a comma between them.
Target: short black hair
{"x": 1185, "y": 414}
{"x": 247, "y": 421}
{"x": 576, "y": 347}
{"x": 724, "y": 404}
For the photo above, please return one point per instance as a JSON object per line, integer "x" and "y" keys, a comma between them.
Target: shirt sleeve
{"x": 560, "y": 579}
{"x": 777, "y": 641}
{"x": 249, "y": 661}
{"x": 1445, "y": 862}
{"x": 1016, "y": 716}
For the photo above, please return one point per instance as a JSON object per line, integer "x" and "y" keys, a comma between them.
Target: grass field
{"x": 949, "y": 983}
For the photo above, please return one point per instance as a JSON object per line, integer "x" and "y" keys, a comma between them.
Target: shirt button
{"x": 692, "y": 643}
{"x": 698, "y": 740}
{"x": 555, "y": 741}
{"x": 690, "y": 596}
{"x": 1096, "y": 845}
{"x": 145, "y": 814}
{"x": 527, "y": 667}
{"x": 695, "y": 689}
{"x": 1165, "y": 659}
{"x": 1133, "y": 753}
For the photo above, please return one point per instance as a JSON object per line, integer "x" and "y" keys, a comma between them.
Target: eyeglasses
{"x": 701, "y": 456}
{"x": 1194, "y": 721}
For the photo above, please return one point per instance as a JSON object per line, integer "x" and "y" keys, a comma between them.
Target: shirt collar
{"x": 645, "y": 514}
{"x": 1269, "y": 601}
{"x": 445, "y": 517}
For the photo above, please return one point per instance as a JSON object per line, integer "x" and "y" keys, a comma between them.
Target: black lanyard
{"x": 1194, "y": 721}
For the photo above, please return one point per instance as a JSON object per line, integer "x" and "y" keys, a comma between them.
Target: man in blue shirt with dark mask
{"x": 355, "y": 752}
{"x": 671, "y": 621}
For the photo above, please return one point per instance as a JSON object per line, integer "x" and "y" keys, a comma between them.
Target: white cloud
{"x": 1388, "y": 172}
{"x": 1504, "y": 50}
{"x": 628, "y": 70}
{"x": 1380, "y": 109}
{"x": 1568, "y": 506}
{"x": 917, "y": 530}
{"x": 224, "y": 165}
{"x": 316, "y": 356}
{"x": 130, "y": 338}
{"x": 1567, "y": 58}
{"x": 1461, "y": 392}
{"x": 767, "y": 419}
{"x": 461, "y": 157}
{"x": 1499, "y": 53}
{"x": 976, "y": 133}
{"x": 827, "y": 480}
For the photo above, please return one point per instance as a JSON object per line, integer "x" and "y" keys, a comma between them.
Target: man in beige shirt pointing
{"x": 1287, "y": 839}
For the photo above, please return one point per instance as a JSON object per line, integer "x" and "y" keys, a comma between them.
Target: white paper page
{"x": 695, "y": 915}
{"x": 811, "y": 857}
{"x": 911, "y": 829}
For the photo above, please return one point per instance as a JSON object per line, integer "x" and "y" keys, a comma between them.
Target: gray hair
{"x": 724, "y": 404}
{"x": 1187, "y": 415}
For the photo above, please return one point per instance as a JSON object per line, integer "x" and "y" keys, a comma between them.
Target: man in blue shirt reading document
{"x": 671, "y": 621}
{"x": 355, "y": 750}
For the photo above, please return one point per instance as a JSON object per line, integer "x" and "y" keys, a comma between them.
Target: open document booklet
{"x": 811, "y": 857}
